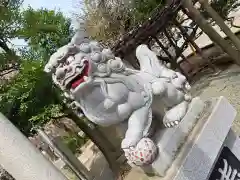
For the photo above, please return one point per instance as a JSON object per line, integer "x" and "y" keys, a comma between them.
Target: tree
{"x": 30, "y": 99}
{"x": 45, "y": 30}
{"x": 108, "y": 20}
{"x": 143, "y": 8}
{"x": 223, "y": 8}
{"x": 220, "y": 22}
{"x": 24, "y": 101}
{"x": 10, "y": 23}
{"x": 23, "y": 98}
{"x": 209, "y": 30}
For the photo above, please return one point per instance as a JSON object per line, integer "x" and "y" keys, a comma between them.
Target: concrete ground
{"x": 227, "y": 84}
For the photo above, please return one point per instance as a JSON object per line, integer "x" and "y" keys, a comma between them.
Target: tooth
{"x": 85, "y": 78}
{"x": 172, "y": 124}
{"x": 176, "y": 122}
{"x": 66, "y": 95}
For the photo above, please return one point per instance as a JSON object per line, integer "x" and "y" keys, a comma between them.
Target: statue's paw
{"x": 188, "y": 97}
{"x": 171, "y": 124}
{"x": 124, "y": 110}
{"x": 187, "y": 86}
{"x": 158, "y": 88}
{"x": 169, "y": 74}
{"x": 174, "y": 116}
{"x": 144, "y": 153}
{"x": 181, "y": 82}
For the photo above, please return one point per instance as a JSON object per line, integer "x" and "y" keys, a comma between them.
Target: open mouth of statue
{"x": 79, "y": 79}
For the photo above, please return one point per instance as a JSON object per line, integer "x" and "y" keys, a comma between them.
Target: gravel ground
{"x": 226, "y": 84}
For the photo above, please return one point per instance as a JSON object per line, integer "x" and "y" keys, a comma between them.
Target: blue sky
{"x": 65, "y": 6}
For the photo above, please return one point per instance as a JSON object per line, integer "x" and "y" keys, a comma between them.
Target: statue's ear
{"x": 80, "y": 35}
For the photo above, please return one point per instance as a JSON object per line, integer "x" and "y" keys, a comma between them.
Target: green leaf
{"x": 29, "y": 99}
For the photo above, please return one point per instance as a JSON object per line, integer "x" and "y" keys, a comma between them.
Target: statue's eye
{"x": 60, "y": 73}
{"x": 69, "y": 60}
{"x": 84, "y": 47}
{"x": 96, "y": 57}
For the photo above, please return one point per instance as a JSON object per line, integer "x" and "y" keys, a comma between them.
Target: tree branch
{"x": 59, "y": 117}
{"x": 8, "y": 72}
{"x": 5, "y": 47}
{"x": 16, "y": 66}
{"x": 4, "y": 3}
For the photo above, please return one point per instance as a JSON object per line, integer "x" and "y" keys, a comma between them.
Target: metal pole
{"x": 20, "y": 158}
{"x": 67, "y": 156}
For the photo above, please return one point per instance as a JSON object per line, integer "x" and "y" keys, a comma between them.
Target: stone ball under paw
{"x": 144, "y": 153}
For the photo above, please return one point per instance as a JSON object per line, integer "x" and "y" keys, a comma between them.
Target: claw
{"x": 166, "y": 125}
{"x": 171, "y": 124}
{"x": 187, "y": 86}
{"x": 187, "y": 97}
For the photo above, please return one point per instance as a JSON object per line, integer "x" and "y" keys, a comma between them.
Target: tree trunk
{"x": 220, "y": 22}
{"x": 199, "y": 51}
{"x": 210, "y": 31}
{"x": 100, "y": 141}
{"x": 108, "y": 150}
{"x": 5, "y": 47}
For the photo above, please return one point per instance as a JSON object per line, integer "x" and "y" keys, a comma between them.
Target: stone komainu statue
{"x": 108, "y": 92}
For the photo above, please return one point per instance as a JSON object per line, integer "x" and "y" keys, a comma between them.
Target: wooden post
{"x": 220, "y": 22}
{"x": 177, "y": 53}
{"x": 67, "y": 156}
{"x": 199, "y": 51}
{"x": 171, "y": 58}
{"x": 100, "y": 141}
{"x": 195, "y": 15}
{"x": 21, "y": 158}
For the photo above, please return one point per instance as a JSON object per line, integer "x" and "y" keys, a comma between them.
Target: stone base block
{"x": 188, "y": 151}
{"x": 170, "y": 140}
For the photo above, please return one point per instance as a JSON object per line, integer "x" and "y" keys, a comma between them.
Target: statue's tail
{"x": 148, "y": 60}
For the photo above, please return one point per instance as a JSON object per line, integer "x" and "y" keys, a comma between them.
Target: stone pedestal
{"x": 189, "y": 151}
